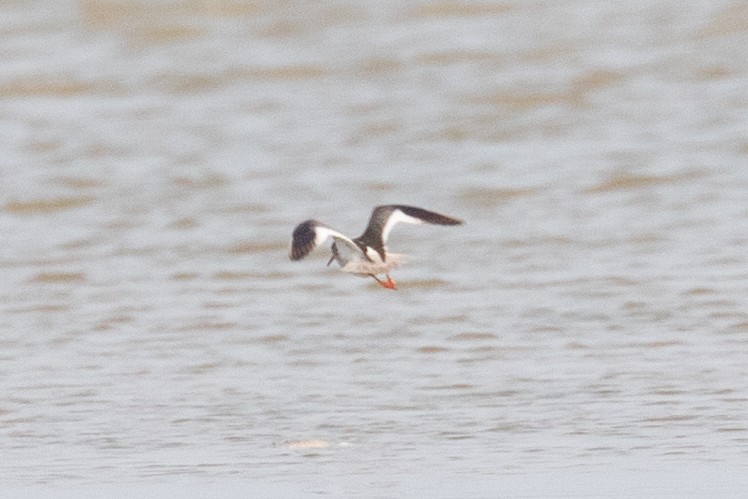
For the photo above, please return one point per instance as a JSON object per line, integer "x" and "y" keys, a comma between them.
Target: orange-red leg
{"x": 389, "y": 283}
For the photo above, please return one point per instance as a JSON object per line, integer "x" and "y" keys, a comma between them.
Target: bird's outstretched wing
{"x": 310, "y": 234}
{"x": 383, "y": 218}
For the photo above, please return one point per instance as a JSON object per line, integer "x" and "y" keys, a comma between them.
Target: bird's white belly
{"x": 356, "y": 263}
{"x": 366, "y": 267}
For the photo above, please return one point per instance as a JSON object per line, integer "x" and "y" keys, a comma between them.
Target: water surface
{"x": 590, "y": 317}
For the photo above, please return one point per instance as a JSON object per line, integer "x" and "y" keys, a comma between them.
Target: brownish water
{"x": 155, "y": 156}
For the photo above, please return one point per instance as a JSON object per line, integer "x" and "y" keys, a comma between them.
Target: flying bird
{"x": 367, "y": 254}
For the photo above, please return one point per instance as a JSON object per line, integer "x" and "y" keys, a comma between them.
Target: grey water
{"x": 591, "y": 316}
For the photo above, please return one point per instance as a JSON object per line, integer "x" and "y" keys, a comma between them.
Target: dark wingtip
{"x": 302, "y": 241}
{"x": 450, "y": 221}
{"x": 428, "y": 216}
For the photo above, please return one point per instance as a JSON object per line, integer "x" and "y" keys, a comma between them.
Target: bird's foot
{"x": 389, "y": 283}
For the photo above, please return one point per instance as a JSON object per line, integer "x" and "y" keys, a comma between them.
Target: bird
{"x": 365, "y": 255}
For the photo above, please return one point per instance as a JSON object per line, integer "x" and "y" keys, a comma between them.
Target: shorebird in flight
{"x": 367, "y": 254}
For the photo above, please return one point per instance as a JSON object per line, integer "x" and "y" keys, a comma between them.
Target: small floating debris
{"x": 307, "y": 444}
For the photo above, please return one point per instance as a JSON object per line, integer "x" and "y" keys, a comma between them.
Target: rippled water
{"x": 591, "y": 315}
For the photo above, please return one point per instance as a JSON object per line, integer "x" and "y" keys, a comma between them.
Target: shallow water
{"x": 590, "y": 315}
